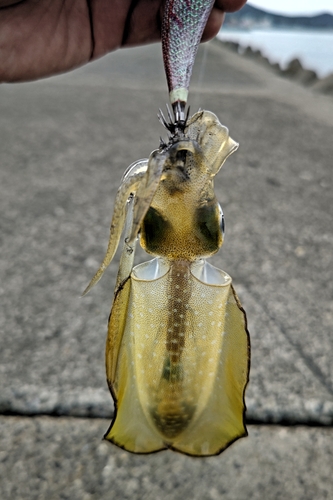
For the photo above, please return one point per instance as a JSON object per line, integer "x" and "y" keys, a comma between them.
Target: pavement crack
{"x": 284, "y": 422}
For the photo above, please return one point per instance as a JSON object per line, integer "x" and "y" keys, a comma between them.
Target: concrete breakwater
{"x": 294, "y": 71}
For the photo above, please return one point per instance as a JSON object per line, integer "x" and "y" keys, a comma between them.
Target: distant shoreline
{"x": 294, "y": 70}
{"x": 298, "y": 29}
{"x": 253, "y": 17}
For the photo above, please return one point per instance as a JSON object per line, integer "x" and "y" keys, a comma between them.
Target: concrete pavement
{"x": 65, "y": 142}
{"x": 64, "y": 458}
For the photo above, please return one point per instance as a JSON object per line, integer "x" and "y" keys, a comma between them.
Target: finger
{"x": 7, "y": 3}
{"x": 144, "y": 25}
{"x": 217, "y": 15}
{"x": 41, "y": 38}
{"x": 213, "y": 25}
{"x": 229, "y": 5}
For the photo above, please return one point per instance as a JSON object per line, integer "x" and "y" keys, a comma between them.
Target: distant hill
{"x": 251, "y": 17}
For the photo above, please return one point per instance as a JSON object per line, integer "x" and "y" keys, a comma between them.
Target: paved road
{"x": 65, "y": 142}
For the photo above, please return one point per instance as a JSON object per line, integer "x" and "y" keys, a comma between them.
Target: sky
{"x": 294, "y": 7}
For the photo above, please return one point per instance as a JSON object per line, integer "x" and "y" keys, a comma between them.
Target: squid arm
{"x": 141, "y": 179}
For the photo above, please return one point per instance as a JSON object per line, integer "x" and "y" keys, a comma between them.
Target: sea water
{"x": 314, "y": 49}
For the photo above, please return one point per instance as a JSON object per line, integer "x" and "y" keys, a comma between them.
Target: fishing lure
{"x": 177, "y": 353}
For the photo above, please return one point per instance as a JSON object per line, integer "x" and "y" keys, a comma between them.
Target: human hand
{"x": 40, "y": 38}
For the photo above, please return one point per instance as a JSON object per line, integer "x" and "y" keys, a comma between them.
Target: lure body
{"x": 177, "y": 354}
{"x": 182, "y": 28}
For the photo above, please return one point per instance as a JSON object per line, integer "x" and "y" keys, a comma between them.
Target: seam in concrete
{"x": 249, "y": 421}
{"x": 96, "y": 403}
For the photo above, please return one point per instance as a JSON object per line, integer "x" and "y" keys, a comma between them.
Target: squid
{"x": 177, "y": 350}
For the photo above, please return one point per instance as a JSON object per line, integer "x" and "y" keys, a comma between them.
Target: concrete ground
{"x": 65, "y": 143}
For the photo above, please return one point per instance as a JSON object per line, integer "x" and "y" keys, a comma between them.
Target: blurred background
{"x": 65, "y": 142}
